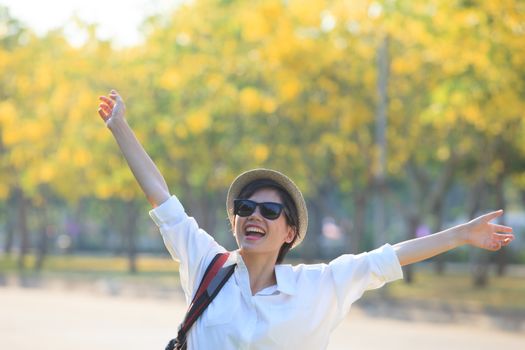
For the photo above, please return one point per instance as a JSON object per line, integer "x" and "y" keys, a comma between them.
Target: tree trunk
{"x": 502, "y": 255}
{"x": 480, "y": 260}
{"x": 383, "y": 69}
{"x": 130, "y": 230}
{"x": 413, "y": 223}
{"x": 356, "y": 230}
{"x": 9, "y": 230}
{"x": 22, "y": 229}
{"x": 437, "y": 227}
{"x": 310, "y": 246}
{"x": 41, "y": 249}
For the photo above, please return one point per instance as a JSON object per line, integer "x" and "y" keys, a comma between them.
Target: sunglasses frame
{"x": 262, "y": 208}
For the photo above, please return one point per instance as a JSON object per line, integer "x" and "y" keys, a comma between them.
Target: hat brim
{"x": 260, "y": 174}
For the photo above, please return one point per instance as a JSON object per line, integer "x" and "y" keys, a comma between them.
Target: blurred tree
{"x": 219, "y": 87}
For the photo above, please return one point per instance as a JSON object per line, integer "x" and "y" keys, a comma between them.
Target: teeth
{"x": 255, "y": 230}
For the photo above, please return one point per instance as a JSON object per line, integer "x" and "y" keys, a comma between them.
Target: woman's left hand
{"x": 480, "y": 233}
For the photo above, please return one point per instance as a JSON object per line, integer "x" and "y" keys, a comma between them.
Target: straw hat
{"x": 289, "y": 186}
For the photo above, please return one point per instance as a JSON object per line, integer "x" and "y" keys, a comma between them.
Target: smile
{"x": 254, "y": 233}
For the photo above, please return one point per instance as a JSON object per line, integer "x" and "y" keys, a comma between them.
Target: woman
{"x": 265, "y": 304}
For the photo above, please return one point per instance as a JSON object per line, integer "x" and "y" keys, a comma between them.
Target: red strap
{"x": 201, "y": 299}
{"x": 209, "y": 277}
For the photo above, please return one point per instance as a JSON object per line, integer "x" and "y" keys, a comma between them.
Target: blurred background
{"x": 396, "y": 119}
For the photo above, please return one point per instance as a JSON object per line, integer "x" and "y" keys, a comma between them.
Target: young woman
{"x": 266, "y": 304}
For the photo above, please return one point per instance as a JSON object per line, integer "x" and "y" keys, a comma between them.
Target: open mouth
{"x": 253, "y": 232}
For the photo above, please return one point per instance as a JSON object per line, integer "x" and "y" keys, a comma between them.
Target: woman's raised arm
{"x": 112, "y": 110}
{"x": 478, "y": 233}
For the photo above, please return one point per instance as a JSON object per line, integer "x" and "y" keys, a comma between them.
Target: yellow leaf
{"x": 269, "y": 105}
{"x": 170, "y": 79}
{"x": 261, "y": 153}
{"x": 289, "y": 89}
{"x": 198, "y": 121}
{"x": 8, "y": 113}
{"x": 81, "y": 158}
{"x": 4, "y": 190}
{"x": 47, "y": 173}
{"x": 250, "y": 100}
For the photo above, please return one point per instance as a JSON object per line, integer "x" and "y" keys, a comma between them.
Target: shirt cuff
{"x": 388, "y": 262}
{"x": 168, "y": 213}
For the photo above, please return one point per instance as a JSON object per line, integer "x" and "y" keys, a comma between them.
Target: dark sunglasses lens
{"x": 271, "y": 210}
{"x": 244, "y": 207}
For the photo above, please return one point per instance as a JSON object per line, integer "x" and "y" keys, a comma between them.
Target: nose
{"x": 256, "y": 213}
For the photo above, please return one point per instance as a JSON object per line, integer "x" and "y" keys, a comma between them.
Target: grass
{"x": 152, "y": 271}
{"x": 454, "y": 288}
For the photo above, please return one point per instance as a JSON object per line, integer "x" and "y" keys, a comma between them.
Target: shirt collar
{"x": 286, "y": 282}
{"x": 234, "y": 258}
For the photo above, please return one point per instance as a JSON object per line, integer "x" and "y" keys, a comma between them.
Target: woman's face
{"x": 257, "y": 234}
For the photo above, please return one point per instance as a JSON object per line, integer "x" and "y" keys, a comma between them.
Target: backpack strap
{"x": 213, "y": 280}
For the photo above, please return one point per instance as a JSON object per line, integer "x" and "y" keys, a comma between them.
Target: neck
{"x": 261, "y": 269}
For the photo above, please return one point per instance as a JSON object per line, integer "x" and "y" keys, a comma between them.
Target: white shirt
{"x": 299, "y": 312}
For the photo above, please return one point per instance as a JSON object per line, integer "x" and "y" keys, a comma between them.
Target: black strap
{"x": 215, "y": 277}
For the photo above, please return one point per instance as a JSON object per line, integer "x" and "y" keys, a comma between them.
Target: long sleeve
{"x": 355, "y": 274}
{"x": 186, "y": 242}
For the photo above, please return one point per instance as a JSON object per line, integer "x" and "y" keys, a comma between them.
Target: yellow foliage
{"x": 443, "y": 153}
{"x": 454, "y": 69}
{"x": 47, "y": 172}
{"x": 319, "y": 113}
{"x": 44, "y": 76}
{"x": 82, "y": 158}
{"x": 255, "y": 26}
{"x": 308, "y": 13}
{"x": 181, "y": 131}
{"x": 35, "y": 131}
{"x": 269, "y": 105}
{"x": 164, "y": 126}
{"x": 103, "y": 190}
{"x": 11, "y": 135}
{"x": 4, "y": 60}
{"x": 472, "y": 114}
{"x": 63, "y": 155}
{"x": 289, "y": 89}
{"x": 260, "y": 153}
{"x": 170, "y": 79}
{"x": 198, "y": 121}
{"x": 8, "y": 113}
{"x": 214, "y": 81}
{"x": 250, "y": 100}
{"x": 4, "y": 190}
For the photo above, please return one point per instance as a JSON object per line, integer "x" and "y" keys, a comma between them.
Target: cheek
{"x": 282, "y": 228}
{"x": 237, "y": 222}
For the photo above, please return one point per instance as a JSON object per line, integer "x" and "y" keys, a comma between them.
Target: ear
{"x": 233, "y": 228}
{"x": 290, "y": 235}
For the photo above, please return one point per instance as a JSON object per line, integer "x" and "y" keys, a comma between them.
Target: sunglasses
{"x": 246, "y": 207}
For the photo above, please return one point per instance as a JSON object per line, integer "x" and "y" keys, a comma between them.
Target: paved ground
{"x": 54, "y": 319}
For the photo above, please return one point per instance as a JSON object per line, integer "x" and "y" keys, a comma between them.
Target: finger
{"x": 502, "y": 228}
{"x": 506, "y": 241}
{"x": 503, "y": 239}
{"x": 492, "y": 215}
{"x": 495, "y": 245}
{"x": 102, "y": 114}
{"x": 503, "y": 236}
{"x": 116, "y": 97}
{"x": 107, "y": 100}
{"x": 107, "y": 109}
{"x": 113, "y": 95}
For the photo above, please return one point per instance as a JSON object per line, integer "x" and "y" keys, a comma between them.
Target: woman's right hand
{"x": 112, "y": 107}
